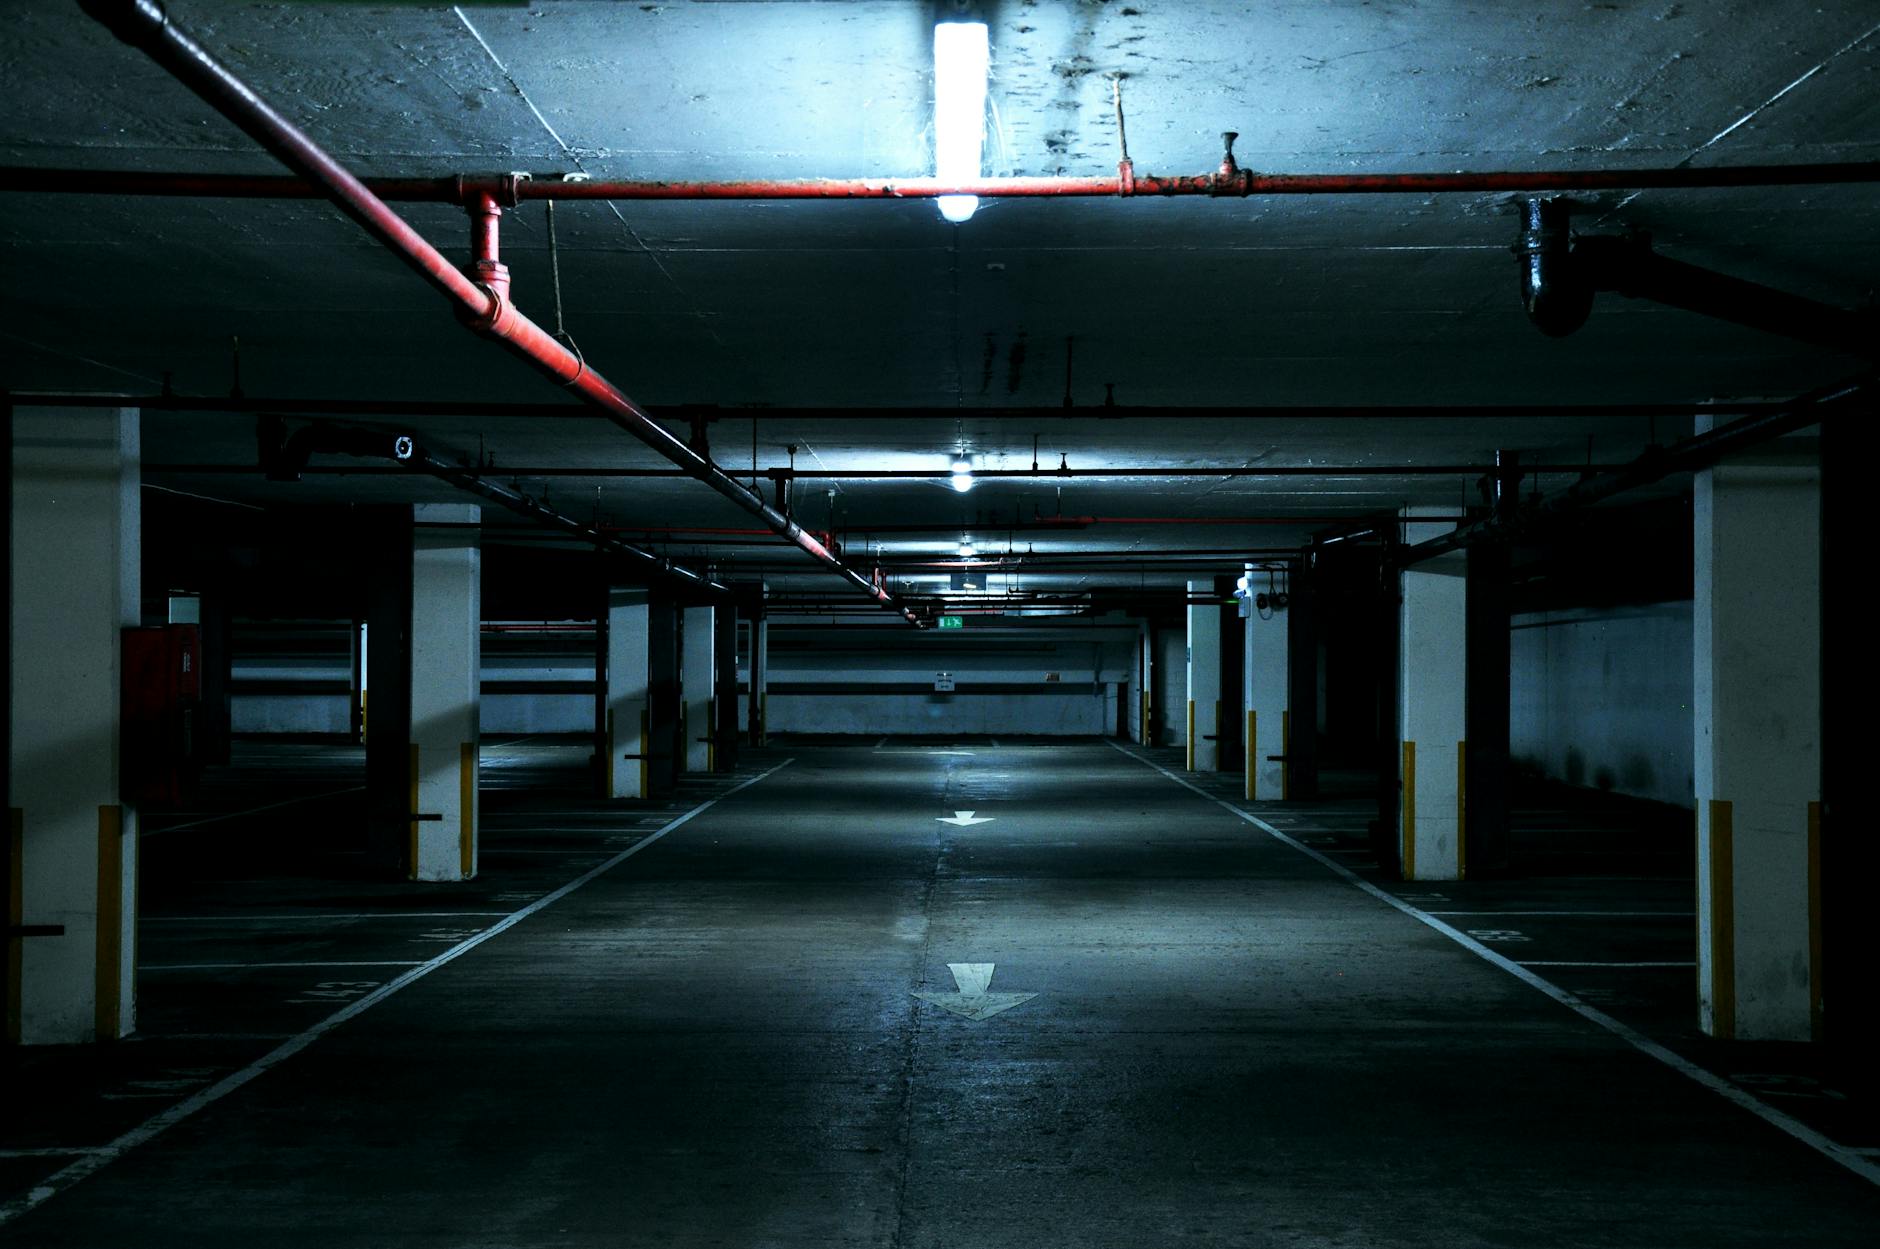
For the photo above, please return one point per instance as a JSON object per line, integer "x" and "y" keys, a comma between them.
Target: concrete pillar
{"x": 666, "y": 748}
{"x": 698, "y": 656}
{"x": 1266, "y": 663}
{"x": 424, "y": 666}
{"x": 760, "y": 676}
{"x": 446, "y": 669}
{"x": 1204, "y": 677}
{"x": 1757, "y": 696}
{"x": 214, "y": 720}
{"x": 1485, "y": 761}
{"x": 73, "y": 587}
{"x": 1302, "y": 687}
{"x": 725, "y": 735}
{"x": 628, "y": 773}
{"x": 1145, "y": 683}
{"x": 1433, "y": 671}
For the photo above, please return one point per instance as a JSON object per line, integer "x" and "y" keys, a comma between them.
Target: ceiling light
{"x": 962, "y": 474}
{"x": 961, "y": 62}
{"x": 966, "y": 548}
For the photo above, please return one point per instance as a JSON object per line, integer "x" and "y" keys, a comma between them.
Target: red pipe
{"x": 463, "y": 189}
{"x": 144, "y": 25}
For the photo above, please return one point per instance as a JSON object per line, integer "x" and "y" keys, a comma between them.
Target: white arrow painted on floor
{"x": 965, "y": 819}
{"x": 974, "y": 998}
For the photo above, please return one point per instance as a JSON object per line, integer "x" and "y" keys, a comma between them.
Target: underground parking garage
{"x": 903, "y": 623}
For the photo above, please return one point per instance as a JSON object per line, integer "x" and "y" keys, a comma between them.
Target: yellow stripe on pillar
{"x": 1253, "y": 754}
{"x": 1722, "y": 921}
{"x": 1814, "y": 919}
{"x": 467, "y": 811}
{"x": 108, "y": 1000}
{"x": 411, "y": 848}
{"x": 16, "y": 915}
{"x": 1409, "y": 852}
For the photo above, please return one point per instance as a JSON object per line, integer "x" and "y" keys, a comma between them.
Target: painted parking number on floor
{"x": 334, "y": 991}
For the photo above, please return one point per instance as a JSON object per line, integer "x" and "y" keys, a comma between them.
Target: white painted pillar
{"x": 1757, "y": 691}
{"x": 629, "y": 625}
{"x": 1204, "y": 679}
{"x": 698, "y": 686}
{"x": 1266, "y": 683}
{"x": 75, "y": 534}
{"x": 760, "y": 680}
{"x": 1433, "y": 671}
{"x": 446, "y": 667}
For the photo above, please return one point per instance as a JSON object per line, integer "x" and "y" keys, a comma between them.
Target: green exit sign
{"x": 952, "y": 622}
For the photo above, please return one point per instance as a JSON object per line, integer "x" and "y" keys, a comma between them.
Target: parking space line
{"x": 317, "y": 917}
{"x": 1546, "y": 962}
{"x": 408, "y": 962}
{"x": 72, "y": 1173}
{"x": 1609, "y": 914}
{"x": 236, "y": 815}
{"x": 1828, "y": 1148}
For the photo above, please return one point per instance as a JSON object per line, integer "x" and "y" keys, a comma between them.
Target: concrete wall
{"x": 1602, "y": 698}
{"x": 1051, "y": 682}
{"x": 1170, "y": 709}
{"x": 305, "y": 691}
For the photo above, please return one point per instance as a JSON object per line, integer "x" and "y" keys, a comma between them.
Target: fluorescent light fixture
{"x": 961, "y": 62}
{"x": 962, "y": 474}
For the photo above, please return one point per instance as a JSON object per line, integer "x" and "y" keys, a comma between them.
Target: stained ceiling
{"x": 978, "y": 333}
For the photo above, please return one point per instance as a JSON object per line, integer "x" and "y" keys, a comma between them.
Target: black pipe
{"x": 654, "y": 566}
{"x": 251, "y": 405}
{"x": 1657, "y": 463}
{"x": 1630, "y": 267}
{"x": 1560, "y": 273}
{"x": 1553, "y": 290}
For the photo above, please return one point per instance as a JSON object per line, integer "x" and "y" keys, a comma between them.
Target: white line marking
{"x": 1835, "y": 1152}
{"x": 1621, "y": 914}
{"x": 1546, "y": 962}
{"x": 67, "y": 1176}
{"x": 316, "y": 917}
{"x": 52, "y": 1153}
{"x": 409, "y": 962}
{"x": 235, "y": 815}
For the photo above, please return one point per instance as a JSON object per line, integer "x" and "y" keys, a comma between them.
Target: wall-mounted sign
{"x": 952, "y": 622}
{"x": 943, "y": 682}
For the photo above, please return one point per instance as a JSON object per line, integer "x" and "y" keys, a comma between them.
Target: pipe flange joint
{"x": 495, "y": 321}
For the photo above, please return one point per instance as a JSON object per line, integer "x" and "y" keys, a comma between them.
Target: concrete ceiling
{"x": 1327, "y": 300}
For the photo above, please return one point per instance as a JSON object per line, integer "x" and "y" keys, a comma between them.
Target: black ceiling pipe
{"x": 1628, "y": 265}
{"x": 1553, "y": 290}
{"x": 284, "y": 457}
{"x": 656, "y": 567}
{"x": 1560, "y": 274}
{"x": 1692, "y": 454}
{"x": 248, "y": 405}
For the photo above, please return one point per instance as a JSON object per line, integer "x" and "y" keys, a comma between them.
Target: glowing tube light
{"x": 961, "y": 63}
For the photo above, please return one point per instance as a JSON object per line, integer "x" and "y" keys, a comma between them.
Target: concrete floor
{"x": 717, "y": 1042}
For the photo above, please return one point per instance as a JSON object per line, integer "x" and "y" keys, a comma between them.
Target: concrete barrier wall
{"x": 1602, "y": 698}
